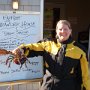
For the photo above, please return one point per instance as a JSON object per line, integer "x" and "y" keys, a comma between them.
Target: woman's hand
{"x": 18, "y": 52}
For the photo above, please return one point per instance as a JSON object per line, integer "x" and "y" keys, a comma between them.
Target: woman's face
{"x": 63, "y": 32}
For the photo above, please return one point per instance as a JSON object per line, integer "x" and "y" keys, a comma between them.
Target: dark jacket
{"x": 72, "y": 74}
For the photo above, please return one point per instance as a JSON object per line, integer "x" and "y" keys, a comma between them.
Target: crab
{"x": 17, "y": 60}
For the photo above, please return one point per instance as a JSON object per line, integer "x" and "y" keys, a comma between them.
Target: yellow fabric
{"x": 71, "y": 51}
{"x": 85, "y": 72}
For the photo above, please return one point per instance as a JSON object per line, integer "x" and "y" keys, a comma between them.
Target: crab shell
{"x": 16, "y": 61}
{"x": 19, "y": 60}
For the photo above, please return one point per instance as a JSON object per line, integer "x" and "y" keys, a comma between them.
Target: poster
{"x": 17, "y": 29}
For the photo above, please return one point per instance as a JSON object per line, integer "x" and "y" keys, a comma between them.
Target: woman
{"x": 66, "y": 60}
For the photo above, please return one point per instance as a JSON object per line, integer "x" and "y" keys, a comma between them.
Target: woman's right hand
{"x": 18, "y": 52}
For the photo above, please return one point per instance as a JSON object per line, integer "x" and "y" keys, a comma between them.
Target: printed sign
{"x": 16, "y": 29}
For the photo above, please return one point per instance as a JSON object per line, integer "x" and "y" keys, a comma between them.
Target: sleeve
{"x": 35, "y": 49}
{"x": 85, "y": 72}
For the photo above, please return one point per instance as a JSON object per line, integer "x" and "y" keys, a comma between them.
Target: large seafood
{"x": 18, "y": 59}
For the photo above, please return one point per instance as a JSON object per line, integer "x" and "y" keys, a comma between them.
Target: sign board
{"x": 16, "y": 29}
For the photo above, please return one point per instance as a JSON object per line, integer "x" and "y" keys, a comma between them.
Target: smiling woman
{"x": 66, "y": 60}
{"x": 63, "y": 30}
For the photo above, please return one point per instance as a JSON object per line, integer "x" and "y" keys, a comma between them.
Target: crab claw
{"x": 4, "y": 52}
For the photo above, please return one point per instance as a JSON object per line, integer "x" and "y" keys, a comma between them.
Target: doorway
{"x": 52, "y": 14}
